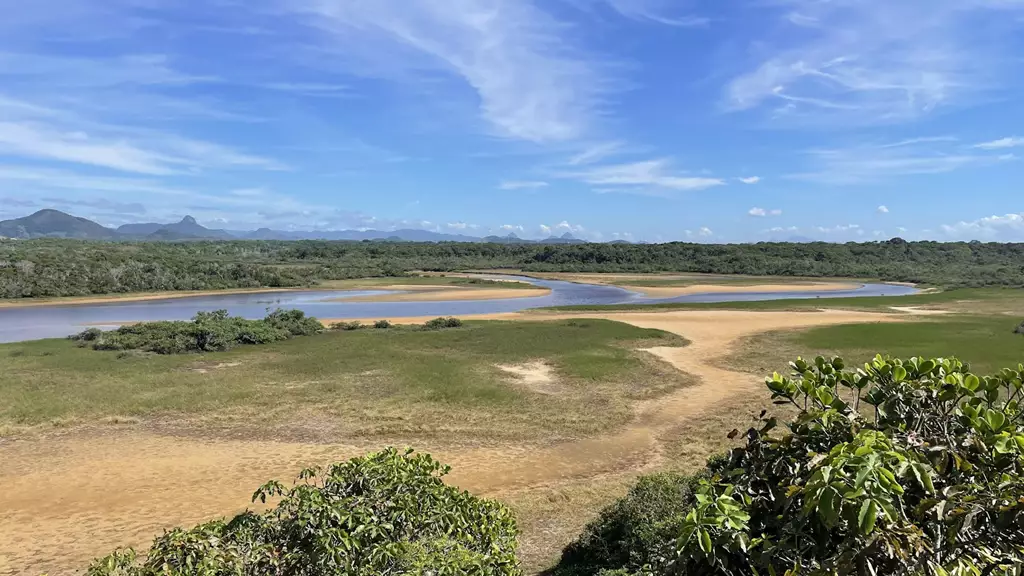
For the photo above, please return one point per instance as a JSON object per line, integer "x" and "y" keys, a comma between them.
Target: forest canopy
{"x": 47, "y": 268}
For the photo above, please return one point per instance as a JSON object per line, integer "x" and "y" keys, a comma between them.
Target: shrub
{"x": 385, "y": 513}
{"x": 1019, "y": 329}
{"x": 440, "y": 323}
{"x": 930, "y": 484}
{"x": 347, "y": 326}
{"x": 206, "y": 332}
{"x": 382, "y": 324}
{"x": 630, "y": 533}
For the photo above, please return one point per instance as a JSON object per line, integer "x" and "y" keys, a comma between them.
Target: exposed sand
{"x": 139, "y": 297}
{"x": 535, "y": 376}
{"x": 673, "y": 291}
{"x": 445, "y": 293}
{"x": 69, "y": 498}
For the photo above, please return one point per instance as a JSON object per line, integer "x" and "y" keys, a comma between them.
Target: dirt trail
{"x": 70, "y": 499}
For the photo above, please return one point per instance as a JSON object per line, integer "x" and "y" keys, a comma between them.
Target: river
{"x": 56, "y": 321}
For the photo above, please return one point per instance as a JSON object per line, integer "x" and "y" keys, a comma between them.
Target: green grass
{"x": 986, "y": 342}
{"x": 993, "y": 297}
{"x": 368, "y": 382}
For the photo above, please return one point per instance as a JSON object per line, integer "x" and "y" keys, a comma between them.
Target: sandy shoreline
{"x": 674, "y": 291}
{"x": 139, "y": 297}
{"x": 445, "y": 294}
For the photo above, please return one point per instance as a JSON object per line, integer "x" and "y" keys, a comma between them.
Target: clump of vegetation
{"x": 930, "y": 484}
{"x": 385, "y": 513}
{"x": 441, "y": 323}
{"x": 348, "y": 326}
{"x": 206, "y": 332}
{"x": 630, "y": 533}
{"x": 382, "y": 324}
{"x": 1019, "y": 329}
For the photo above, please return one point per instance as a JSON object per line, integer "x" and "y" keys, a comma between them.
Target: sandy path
{"x": 66, "y": 500}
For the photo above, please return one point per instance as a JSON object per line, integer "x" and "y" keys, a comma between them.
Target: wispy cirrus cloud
{"x": 750, "y": 180}
{"x": 879, "y": 162}
{"x": 659, "y": 11}
{"x": 532, "y": 83}
{"x": 522, "y": 185}
{"x": 875, "y": 61}
{"x": 642, "y": 177}
{"x": 1002, "y": 143}
{"x": 763, "y": 212}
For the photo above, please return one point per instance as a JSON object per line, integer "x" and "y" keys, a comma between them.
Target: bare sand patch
{"x": 535, "y": 376}
{"x": 919, "y": 311}
{"x": 68, "y": 499}
{"x": 206, "y": 368}
{"x": 673, "y": 291}
{"x": 445, "y": 293}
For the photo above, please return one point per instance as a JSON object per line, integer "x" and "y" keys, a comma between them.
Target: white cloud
{"x": 761, "y": 212}
{"x": 638, "y": 176}
{"x": 1009, "y": 142}
{"x": 1009, "y": 227}
{"x": 457, "y": 225}
{"x": 531, "y": 83}
{"x": 883, "y": 209}
{"x": 778, "y": 229}
{"x": 901, "y": 229}
{"x": 511, "y": 228}
{"x": 522, "y": 185}
{"x": 655, "y": 11}
{"x": 595, "y": 152}
{"x": 249, "y": 192}
{"x": 875, "y": 61}
{"x": 840, "y": 228}
{"x": 878, "y": 162}
{"x": 750, "y": 180}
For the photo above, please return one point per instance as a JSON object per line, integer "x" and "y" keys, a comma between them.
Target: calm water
{"x": 31, "y": 323}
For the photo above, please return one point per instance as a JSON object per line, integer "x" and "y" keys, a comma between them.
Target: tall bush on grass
{"x": 386, "y": 513}
{"x": 928, "y": 482}
{"x": 206, "y": 332}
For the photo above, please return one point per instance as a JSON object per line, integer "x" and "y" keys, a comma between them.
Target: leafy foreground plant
{"x": 385, "y": 513}
{"x": 929, "y": 485}
{"x": 206, "y": 332}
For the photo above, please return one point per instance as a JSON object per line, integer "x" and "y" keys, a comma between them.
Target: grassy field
{"x": 987, "y": 342}
{"x": 399, "y": 382}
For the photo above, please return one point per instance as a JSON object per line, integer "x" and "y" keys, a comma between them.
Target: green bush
{"x": 441, "y": 323}
{"x": 930, "y": 484}
{"x": 347, "y": 326}
{"x": 633, "y": 531}
{"x": 206, "y": 332}
{"x": 382, "y": 324}
{"x": 385, "y": 513}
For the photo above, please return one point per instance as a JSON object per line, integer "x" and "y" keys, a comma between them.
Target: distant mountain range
{"x": 56, "y": 224}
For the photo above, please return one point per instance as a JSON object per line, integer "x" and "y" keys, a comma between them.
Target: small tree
{"x": 386, "y": 513}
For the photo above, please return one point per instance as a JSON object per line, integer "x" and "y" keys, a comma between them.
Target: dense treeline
{"x": 39, "y": 268}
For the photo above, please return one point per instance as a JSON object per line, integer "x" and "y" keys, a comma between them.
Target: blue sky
{"x": 714, "y": 121}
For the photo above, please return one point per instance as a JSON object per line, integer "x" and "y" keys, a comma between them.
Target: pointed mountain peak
{"x": 568, "y": 236}
{"x": 188, "y": 220}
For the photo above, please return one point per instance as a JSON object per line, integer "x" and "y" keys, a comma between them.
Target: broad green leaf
{"x": 867, "y": 517}
{"x": 705, "y": 541}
